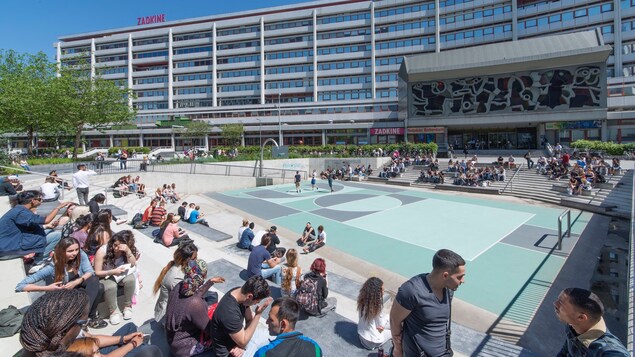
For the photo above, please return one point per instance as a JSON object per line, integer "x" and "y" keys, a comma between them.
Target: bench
{"x": 470, "y": 189}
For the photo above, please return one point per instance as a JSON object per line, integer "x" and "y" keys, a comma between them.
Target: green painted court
{"x": 509, "y": 247}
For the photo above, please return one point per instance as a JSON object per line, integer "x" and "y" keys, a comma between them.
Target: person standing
{"x": 313, "y": 180}
{"x": 80, "y": 181}
{"x": 586, "y": 332}
{"x": 298, "y": 179}
{"x": 123, "y": 160}
{"x": 420, "y": 317}
{"x": 330, "y": 180}
{"x": 99, "y": 161}
{"x": 283, "y": 316}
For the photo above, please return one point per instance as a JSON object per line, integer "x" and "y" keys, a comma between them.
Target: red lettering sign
{"x": 148, "y": 20}
{"x": 386, "y": 131}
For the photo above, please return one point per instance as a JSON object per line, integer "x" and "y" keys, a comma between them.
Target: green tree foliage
{"x": 25, "y": 81}
{"x": 232, "y": 133}
{"x": 81, "y": 102}
{"x": 196, "y": 129}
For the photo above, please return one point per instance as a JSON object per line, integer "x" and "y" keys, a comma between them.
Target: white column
{"x": 515, "y": 20}
{"x": 141, "y": 139}
{"x": 130, "y": 83}
{"x": 206, "y": 142}
{"x": 262, "y": 60}
{"x": 59, "y": 58}
{"x": 437, "y": 28}
{"x": 214, "y": 65}
{"x": 172, "y": 141}
{"x": 315, "y": 54}
{"x": 604, "y": 134}
{"x": 170, "y": 79}
{"x": 323, "y": 137}
{"x": 372, "y": 48}
{"x": 112, "y": 142}
{"x": 617, "y": 38}
{"x": 92, "y": 58}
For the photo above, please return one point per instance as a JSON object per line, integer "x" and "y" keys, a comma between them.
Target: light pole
{"x": 260, "y": 143}
{"x": 279, "y": 124}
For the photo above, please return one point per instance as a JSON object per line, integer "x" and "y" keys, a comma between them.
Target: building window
{"x": 580, "y": 13}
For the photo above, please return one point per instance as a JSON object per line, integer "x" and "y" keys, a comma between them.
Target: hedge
{"x": 609, "y": 148}
{"x": 129, "y": 149}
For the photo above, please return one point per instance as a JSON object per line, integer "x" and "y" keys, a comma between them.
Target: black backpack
{"x": 68, "y": 229}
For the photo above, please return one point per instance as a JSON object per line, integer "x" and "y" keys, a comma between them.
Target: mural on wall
{"x": 553, "y": 89}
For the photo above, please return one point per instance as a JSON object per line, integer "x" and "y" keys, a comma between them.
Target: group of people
{"x": 127, "y": 185}
{"x": 169, "y": 233}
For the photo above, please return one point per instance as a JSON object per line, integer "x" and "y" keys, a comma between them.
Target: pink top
{"x": 171, "y": 232}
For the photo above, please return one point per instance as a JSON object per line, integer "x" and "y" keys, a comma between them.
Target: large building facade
{"x": 326, "y": 72}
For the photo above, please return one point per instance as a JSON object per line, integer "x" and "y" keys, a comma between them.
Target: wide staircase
{"x": 612, "y": 198}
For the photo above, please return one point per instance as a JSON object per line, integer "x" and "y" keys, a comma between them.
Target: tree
{"x": 232, "y": 133}
{"x": 196, "y": 129}
{"x": 25, "y": 82}
{"x": 80, "y": 102}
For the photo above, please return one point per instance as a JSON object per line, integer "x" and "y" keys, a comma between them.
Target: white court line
{"x": 503, "y": 237}
{"x": 532, "y": 250}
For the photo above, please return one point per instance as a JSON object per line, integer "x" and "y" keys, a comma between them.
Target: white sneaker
{"x": 34, "y": 269}
{"x": 127, "y": 313}
{"x": 115, "y": 318}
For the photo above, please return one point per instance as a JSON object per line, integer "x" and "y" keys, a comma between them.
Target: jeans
{"x": 95, "y": 291}
{"x": 140, "y": 351}
{"x": 273, "y": 273}
{"x": 52, "y": 238}
{"x": 82, "y": 195}
{"x": 123, "y": 164}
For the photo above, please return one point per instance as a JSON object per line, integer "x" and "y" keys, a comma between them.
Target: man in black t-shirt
{"x": 421, "y": 313}
{"x": 308, "y": 235}
{"x": 273, "y": 246}
{"x": 233, "y": 309}
{"x": 298, "y": 179}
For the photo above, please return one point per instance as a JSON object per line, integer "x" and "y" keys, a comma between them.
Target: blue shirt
{"x": 21, "y": 232}
{"x": 246, "y": 238}
{"x": 292, "y": 343}
{"x": 194, "y": 216}
{"x": 48, "y": 273}
{"x": 258, "y": 255}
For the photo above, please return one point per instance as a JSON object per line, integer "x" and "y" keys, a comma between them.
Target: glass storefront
{"x": 493, "y": 139}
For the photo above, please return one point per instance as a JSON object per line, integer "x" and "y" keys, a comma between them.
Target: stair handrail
{"x": 512, "y": 179}
{"x": 65, "y": 182}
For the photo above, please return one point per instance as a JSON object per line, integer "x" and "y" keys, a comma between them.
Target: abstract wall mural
{"x": 544, "y": 90}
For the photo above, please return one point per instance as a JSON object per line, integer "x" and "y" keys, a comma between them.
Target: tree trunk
{"x": 78, "y": 140}
{"x": 29, "y": 134}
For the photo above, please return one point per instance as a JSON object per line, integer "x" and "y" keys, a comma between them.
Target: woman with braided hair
{"x": 55, "y": 320}
{"x": 71, "y": 270}
{"x": 373, "y": 328}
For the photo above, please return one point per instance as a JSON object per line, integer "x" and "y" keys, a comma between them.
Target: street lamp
{"x": 261, "y": 148}
{"x": 279, "y": 124}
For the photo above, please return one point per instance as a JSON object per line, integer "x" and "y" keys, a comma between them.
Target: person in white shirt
{"x": 188, "y": 211}
{"x": 373, "y": 328}
{"x": 49, "y": 190}
{"x": 258, "y": 238}
{"x": 319, "y": 243}
{"x": 242, "y": 228}
{"x": 80, "y": 181}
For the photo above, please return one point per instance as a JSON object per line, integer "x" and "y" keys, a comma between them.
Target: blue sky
{"x": 34, "y": 25}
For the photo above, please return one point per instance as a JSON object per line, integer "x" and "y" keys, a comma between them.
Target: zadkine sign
{"x": 154, "y": 19}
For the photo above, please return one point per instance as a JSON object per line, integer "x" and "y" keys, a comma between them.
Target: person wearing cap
{"x": 275, "y": 240}
{"x": 308, "y": 235}
{"x": 173, "y": 234}
{"x": 586, "y": 332}
{"x": 6, "y": 188}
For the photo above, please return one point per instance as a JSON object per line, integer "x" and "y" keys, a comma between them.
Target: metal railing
{"x": 64, "y": 183}
{"x": 568, "y": 231}
{"x": 631, "y": 276}
{"x": 510, "y": 183}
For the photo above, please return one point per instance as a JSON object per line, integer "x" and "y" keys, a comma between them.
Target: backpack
{"x": 68, "y": 229}
{"x": 10, "y": 321}
{"x": 136, "y": 219}
{"x": 307, "y": 296}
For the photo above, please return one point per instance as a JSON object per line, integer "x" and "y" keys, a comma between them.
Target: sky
{"x": 34, "y": 25}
